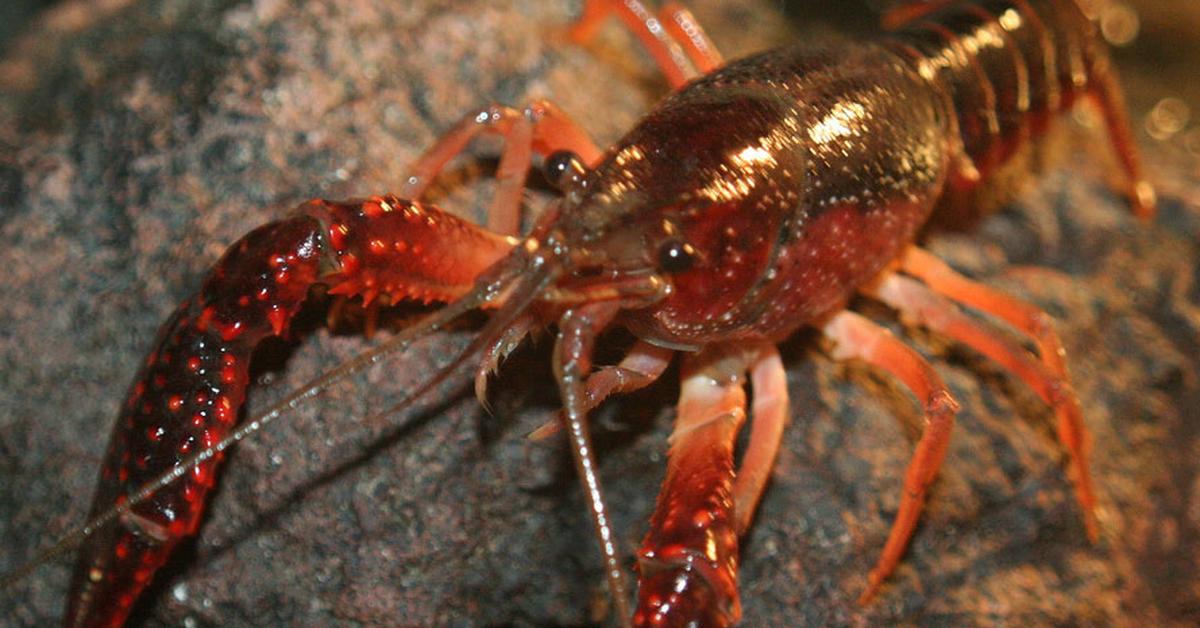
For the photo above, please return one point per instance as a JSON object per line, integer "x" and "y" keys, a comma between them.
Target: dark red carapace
{"x": 756, "y": 199}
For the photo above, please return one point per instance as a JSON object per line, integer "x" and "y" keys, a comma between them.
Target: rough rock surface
{"x": 139, "y": 137}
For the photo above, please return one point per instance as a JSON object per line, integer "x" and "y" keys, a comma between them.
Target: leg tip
{"x": 1144, "y": 200}
{"x": 547, "y": 429}
{"x": 1091, "y": 527}
{"x": 874, "y": 582}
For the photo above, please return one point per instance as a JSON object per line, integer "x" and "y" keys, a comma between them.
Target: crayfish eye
{"x": 562, "y": 168}
{"x": 676, "y": 256}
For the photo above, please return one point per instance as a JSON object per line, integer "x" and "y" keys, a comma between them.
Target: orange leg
{"x": 769, "y": 417}
{"x": 642, "y": 366}
{"x": 1037, "y": 325}
{"x": 1106, "y": 93}
{"x": 673, "y": 38}
{"x": 688, "y": 560}
{"x": 858, "y": 338}
{"x": 1046, "y": 377}
{"x": 684, "y": 28}
{"x": 541, "y": 127}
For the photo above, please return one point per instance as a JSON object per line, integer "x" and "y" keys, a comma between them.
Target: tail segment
{"x": 1010, "y": 67}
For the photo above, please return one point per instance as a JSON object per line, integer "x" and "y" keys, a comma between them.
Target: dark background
{"x": 139, "y": 138}
{"x": 15, "y": 14}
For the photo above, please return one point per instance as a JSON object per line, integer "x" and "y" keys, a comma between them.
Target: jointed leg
{"x": 769, "y": 417}
{"x": 639, "y": 368}
{"x": 1037, "y": 325}
{"x": 540, "y": 128}
{"x": 688, "y": 560}
{"x": 682, "y": 25}
{"x": 642, "y": 366}
{"x": 1047, "y": 378}
{"x": 858, "y": 338}
{"x": 1024, "y": 317}
{"x": 645, "y": 363}
{"x": 1106, "y": 93}
{"x": 673, "y": 37}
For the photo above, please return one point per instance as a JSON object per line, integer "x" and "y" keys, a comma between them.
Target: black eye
{"x": 676, "y": 256}
{"x": 562, "y": 168}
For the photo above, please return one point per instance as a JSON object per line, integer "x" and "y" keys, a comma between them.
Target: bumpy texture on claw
{"x": 688, "y": 560}
{"x": 189, "y": 393}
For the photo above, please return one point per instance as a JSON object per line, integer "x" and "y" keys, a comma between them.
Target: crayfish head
{"x": 696, "y": 196}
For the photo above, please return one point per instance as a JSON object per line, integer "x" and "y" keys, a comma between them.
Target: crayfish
{"x": 757, "y": 199}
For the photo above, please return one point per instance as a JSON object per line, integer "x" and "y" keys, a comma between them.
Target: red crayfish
{"x": 758, "y": 198}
